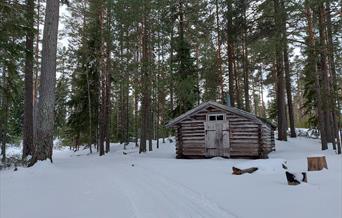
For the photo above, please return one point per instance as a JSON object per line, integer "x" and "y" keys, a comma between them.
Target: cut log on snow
{"x": 237, "y": 171}
{"x": 296, "y": 178}
{"x": 317, "y": 163}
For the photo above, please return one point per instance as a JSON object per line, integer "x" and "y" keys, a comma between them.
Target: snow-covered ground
{"x": 155, "y": 184}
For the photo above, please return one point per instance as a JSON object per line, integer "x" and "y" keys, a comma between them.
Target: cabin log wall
{"x": 247, "y": 137}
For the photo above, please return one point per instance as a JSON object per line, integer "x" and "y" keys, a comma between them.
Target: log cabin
{"x": 212, "y": 129}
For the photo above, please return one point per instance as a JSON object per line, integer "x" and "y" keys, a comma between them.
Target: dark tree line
{"x": 130, "y": 66}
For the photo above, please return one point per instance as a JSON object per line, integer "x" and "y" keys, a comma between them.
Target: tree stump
{"x": 317, "y": 163}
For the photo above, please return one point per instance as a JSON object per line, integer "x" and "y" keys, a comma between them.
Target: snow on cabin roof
{"x": 216, "y": 105}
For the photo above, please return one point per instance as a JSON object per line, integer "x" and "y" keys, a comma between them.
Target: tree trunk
{"x": 287, "y": 73}
{"x": 45, "y": 113}
{"x": 324, "y": 74}
{"x": 245, "y": 59}
{"x": 28, "y": 100}
{"x": 4, "y": 120}
{"x": 282, "y": 121}
{"x": 237, "y": 96}
{"x": 333, "y": 80}
{"x": 218, "y": 56}
{"x": 145, "y": 104}
{"x": 108, "y": 104}
{"x": 230, "y": 54}
{"x": 103, "y": 76}
{"x": 312, "y": 56}
{"x": 36, "y": 77}
{"x": 89, "y": 113}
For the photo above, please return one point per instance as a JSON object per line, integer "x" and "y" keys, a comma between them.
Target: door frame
{"x": 220, "y": 150}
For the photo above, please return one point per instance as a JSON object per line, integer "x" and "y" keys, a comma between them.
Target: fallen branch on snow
{"x": 237, "y": 171}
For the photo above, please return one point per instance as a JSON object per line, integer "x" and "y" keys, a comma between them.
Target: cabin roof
{"x": 204, "y": 105}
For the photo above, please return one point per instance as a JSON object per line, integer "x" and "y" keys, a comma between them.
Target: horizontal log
{"x": 194, "y": 128}
{"x": 236, "y": 137}
{"x": 193, "y": 146}
{"x": 193, "y": 143}
{"x": 189, "y": 130}
{"x": 234, "y": 122}
{"x": 194, "y": 153}
{"x": 200, "y": 117}
{"x": 242, "y": 146}
{"x": 191, "y": 123}
{"x": 233, "y": 125}
{"x": 189, "y": 147}
{"x": 189, "y": 133}
{"x": 237, "y": 118}
{"x": 243, "y": 154}
{"x": 243, "y": 129}
{"x": 235, "y": 132}
{"x": 244, "y": 141}
{"x": 196, "y": 138}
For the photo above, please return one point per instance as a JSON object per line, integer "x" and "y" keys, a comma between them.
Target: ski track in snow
{"x": 172, "y": 199}
{"x": 156, "y": 185}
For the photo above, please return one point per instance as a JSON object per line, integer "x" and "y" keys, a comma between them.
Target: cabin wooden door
{"x": 210, "y": 137}
{"x": 217, "y": 138}
{"x": 225, "y": 140}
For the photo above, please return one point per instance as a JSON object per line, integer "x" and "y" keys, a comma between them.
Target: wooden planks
{"x": 240, "y": 137}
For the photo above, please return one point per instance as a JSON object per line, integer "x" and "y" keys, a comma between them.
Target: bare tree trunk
{"x": 237, "y": 82}
{"x": 218, "y": 56}
{"x": 45, "y": 113}
{"x": 145, "y": 104}
{"x": 108, "y": 104}
{"x": 198, "y": 77}
{"x": 230, "y": 54}
{"x": 136, "y": 115}
{"x": 90, "y": 116}
{"x": 28, "y": 100}
{"x": 245, "y": 58}
{"x": 102, "y": 68}
{"x": 333, "y": 81}
{"x": 282, "y": 121}
{"x": 312, "y": 62}
{"x": 324, "y": 74}
{"x": 4, "y": 120}
{"x": 36, "y": 77}
{"x": 150, "y": 127}
{"x": 287, "y": 73}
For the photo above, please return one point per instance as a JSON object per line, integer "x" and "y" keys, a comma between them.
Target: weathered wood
{"x": 239, "y": 135}
{"x": 195, "y": 130}
{"x": 244, "y": 141}
{"x": 243, "y": 154}
{"x": 237, "y": 171}
{"x": 250, "y": 150}
{"x": 225, "y": 151}
{"x": 195, "y": 138}
{"x": 242, "y": 126}
{"x": 192, "y": 126}
{"x": 244, "y": 137}
{"x": 317, "y": 163}
{"x": 210, "y": 136}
